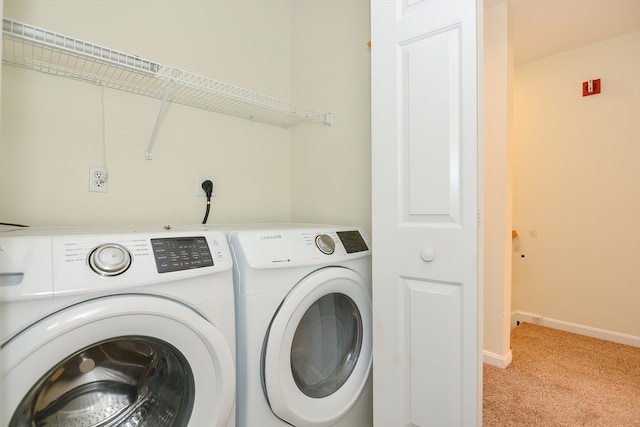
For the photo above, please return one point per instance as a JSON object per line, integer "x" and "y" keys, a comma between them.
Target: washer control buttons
{"x": 110, "y": 259}
{"x": 325, "y": 243}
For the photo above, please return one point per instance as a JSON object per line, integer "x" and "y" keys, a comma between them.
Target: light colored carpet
{"x": 558, "y": 378}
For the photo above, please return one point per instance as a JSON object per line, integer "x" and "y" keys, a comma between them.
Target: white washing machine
{"x": 303, "y": 318}
{"x": 116, "y": 327}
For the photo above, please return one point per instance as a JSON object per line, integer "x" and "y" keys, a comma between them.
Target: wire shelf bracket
{"x": 163, "y": 108}
{"x": 42, "y": 50}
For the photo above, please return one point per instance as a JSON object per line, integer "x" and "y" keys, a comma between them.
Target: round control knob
{"x": 110, "y": 260}
{"x": 325, "y": 243}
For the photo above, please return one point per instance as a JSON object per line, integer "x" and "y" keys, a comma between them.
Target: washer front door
{"x": 317, "y": 353}
{"x": 118, "y": 361}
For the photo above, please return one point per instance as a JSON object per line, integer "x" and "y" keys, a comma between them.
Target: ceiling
{"x": 545, "y": 27}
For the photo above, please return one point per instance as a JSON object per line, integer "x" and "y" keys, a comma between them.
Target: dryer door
{"x": 118, "y": 361}
{"x": 317, "y": 353}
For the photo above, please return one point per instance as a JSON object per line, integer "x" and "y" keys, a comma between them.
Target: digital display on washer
{"x": 352, "y": 241}
{"x": 181, "y": 253}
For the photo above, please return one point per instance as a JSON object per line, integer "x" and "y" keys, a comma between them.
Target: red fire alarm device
{"x": 591, "y": 87}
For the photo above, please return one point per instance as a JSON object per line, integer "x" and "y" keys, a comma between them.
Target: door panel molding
{"x": 431, "y": 127}
{"x": 433, "y": 303}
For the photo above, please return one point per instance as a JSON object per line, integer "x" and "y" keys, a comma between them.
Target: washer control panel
{"x": 43, "y": 262}
{"x": 181, "y": 253}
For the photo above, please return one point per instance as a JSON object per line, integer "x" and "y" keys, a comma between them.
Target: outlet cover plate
{"x": 200, "y": 180}
{"x": 98, "y": 180}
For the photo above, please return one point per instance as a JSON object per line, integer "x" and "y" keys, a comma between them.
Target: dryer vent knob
{"x": 325, "y": 243}
{"x": 110, "y": 259}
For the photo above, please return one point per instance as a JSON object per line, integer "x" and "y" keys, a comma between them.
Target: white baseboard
{"x": 603, "y": 334}
{"x": 496, "y": 359}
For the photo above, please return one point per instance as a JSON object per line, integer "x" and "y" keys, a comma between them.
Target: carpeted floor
{"x": 558, "y": 378}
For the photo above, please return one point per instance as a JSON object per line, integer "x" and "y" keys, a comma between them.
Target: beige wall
{"x": 52, "y": 126}
{"x": 331, "y": 166}
{"x": 498, "y": 105}
{"x": 577, "y": 187}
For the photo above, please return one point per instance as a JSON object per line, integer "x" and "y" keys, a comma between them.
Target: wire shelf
{"x": 42, "y": 50}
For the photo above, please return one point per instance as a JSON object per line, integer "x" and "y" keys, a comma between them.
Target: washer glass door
{"x": 127, "y": 360}
{"x": 125, "y": 381}
{"x": 317, "y": 353}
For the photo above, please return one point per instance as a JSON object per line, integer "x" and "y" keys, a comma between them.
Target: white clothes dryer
{"x": 303, "y": 318}
{"x": 116, "y": 327}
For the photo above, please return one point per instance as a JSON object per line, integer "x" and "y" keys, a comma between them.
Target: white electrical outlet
{"x": 98, "y": 179}
{"x": 200, "y": 180}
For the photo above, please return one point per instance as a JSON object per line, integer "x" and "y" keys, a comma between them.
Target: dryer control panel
{"x": 277, "y": 248}
{"x": 352, "y": 241}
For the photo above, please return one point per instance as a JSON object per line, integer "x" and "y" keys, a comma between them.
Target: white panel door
{"x": 425, "y": 111}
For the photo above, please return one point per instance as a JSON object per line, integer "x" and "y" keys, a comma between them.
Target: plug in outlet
{"x": 200, "y": 180}
{"x": 98, "y": 179}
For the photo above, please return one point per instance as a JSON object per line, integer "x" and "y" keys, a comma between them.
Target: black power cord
{"x": 207, "y": 186}
{"x": 13, "y": 225}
